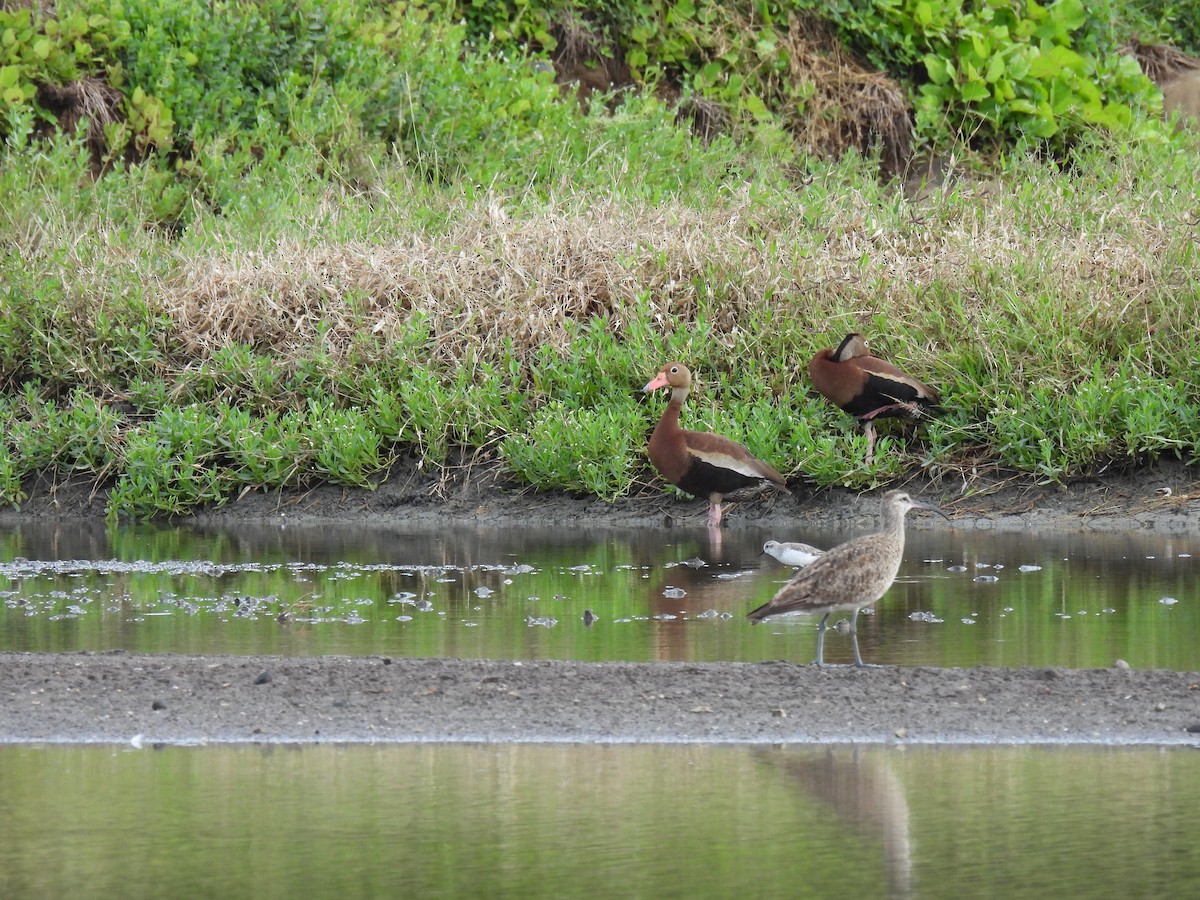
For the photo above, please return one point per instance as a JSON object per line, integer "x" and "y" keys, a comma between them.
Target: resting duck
{"x": 703, "y": 464}
{"x": 868, "y": 387}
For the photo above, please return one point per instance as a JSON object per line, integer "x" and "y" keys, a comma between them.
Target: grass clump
{"x": 446, "y": 260}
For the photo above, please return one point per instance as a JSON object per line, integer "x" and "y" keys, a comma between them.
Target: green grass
{"x": 502, "y": 290}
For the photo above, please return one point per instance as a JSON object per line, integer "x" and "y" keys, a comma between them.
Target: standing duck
{"x": 703, "y": 464}
{"x": 868, "y": 387}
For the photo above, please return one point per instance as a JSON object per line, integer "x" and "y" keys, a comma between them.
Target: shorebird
{"x": 792, "y": 553}
{"x": 868, "y": 387}
{"x": 850, "y": 576}
{"x": 703, "y": 464}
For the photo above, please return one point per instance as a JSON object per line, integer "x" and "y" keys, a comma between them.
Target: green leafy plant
{"x": 588, "y": 450}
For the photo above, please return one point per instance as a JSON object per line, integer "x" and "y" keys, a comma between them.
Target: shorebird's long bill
{"x": 921, "y": 504}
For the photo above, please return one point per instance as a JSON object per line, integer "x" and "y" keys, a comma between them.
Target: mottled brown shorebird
{"x": 703, "y": 464}
{"x": 850, "y": 576}
{"x": 868, "y": 387}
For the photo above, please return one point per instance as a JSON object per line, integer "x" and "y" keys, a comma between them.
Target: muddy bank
{"x": 164, "y": 698}
{"x": 1164, "y": 497}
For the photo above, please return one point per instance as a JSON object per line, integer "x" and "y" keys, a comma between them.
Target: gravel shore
{"x": 121, "y": 697}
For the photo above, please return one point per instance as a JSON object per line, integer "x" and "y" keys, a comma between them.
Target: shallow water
{"x": 963, "y": 597}
{"x": 570, "y": 820}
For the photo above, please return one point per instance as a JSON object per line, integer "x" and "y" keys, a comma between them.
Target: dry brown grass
{"x": 852, "y": 106}
{"x": 494, "y": 277}
{"x": 488, "y": 279}
{"x": 1161, "y": 63}
{"x": 90, "y": 99}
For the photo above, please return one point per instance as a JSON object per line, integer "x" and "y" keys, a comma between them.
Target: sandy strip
{"x": 147, "y": 699}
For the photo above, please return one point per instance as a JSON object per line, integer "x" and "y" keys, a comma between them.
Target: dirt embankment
{"x": 1164, "y": 497}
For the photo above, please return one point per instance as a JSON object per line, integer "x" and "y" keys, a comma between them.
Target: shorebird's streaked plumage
{"x": 792, "y": 553}
{"x": 703, "y": 464}
{"x": 849, "y": 576}
{"x": 868, "y": 387}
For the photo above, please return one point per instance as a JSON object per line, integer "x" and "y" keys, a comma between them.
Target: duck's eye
{"x": 674, "y": 370}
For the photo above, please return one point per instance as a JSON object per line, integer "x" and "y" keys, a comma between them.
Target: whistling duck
{"x": 850, "y": 576}
{"x": 868, "y": 387}
{"x": 791, "y": 553}
{"x": 703, "y": 464}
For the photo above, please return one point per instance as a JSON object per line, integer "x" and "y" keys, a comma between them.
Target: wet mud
{"x": 166, "y": 698}
{"x": 147, "y": 699}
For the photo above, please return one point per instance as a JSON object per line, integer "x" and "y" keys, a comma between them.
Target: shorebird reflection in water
{"x": 850, "y": 576}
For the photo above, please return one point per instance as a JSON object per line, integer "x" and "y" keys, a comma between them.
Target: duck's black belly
{"x": 702, "y": 479}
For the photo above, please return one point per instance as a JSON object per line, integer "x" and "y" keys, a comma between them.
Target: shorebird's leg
{"x": 854, "y": 639}
{"x": 821, "y": 642}
{"x": 858, "y": 660}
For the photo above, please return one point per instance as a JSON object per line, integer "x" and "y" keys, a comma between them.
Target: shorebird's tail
{"x": 757, "y": 615}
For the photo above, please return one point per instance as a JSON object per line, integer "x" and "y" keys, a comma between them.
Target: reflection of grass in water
{"x": 539, "y": 820}
{"x": 225, "y": 594}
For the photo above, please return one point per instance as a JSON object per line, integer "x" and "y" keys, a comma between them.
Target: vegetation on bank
{"x": 375, "y": 238}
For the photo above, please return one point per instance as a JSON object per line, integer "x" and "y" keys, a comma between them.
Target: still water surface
{"x": 528, "y": 820}
{"x": 963, "y": 597}
{"x": 534, "y": 820}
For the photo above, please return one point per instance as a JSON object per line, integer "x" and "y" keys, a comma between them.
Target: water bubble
{"x": 483, "y": 591}
{"x": 708, "y": 614}
{"x": 1168, "y": 601}
{"x": 542, "y": 621}
{"x": 985, "y": 579}
{"x": 956, "y": 568}
{"x": 665, "y": 617}
{"x": 968, "y": 621}
{"x": 404, "y": 618}
{"x": 674, "y": 593}
{"x": 925, "y": 616}
{"x": 1028, "y": 568}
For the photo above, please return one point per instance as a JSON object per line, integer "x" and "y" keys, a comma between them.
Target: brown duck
{"x": 868, "y": 387}
{"x": 703, "y": 464}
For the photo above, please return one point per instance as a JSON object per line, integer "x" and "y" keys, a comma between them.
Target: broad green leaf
{"x": 974, "y": 91}
{"x": 940, "y": 70}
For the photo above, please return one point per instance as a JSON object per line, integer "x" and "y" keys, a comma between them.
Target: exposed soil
{"x": 168, "y": 698}
{"x": 165, "y": 698}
